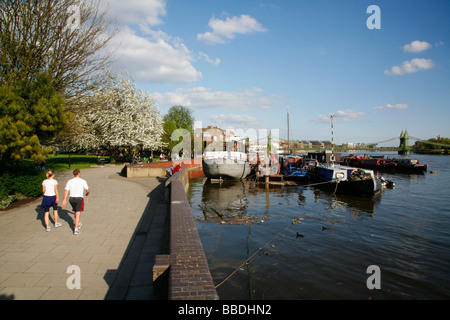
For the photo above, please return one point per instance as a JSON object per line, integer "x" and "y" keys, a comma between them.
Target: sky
{"x": 244, "y": 64}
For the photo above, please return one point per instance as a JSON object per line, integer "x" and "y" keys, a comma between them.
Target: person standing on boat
{"x": 274, "y": 165}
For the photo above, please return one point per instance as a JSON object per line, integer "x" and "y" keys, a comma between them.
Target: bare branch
{"x": 36, "y": 38}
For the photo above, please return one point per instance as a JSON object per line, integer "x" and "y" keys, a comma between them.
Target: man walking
{"x": 76, "y": 187}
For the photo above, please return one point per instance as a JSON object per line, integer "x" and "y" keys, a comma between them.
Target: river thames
{"x": 296, "y": 242}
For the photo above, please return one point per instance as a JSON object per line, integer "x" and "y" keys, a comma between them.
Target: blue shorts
{"x": 49, "y": 201}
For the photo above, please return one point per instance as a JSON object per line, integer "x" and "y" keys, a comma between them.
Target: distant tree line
{"x": 434, "y": 145}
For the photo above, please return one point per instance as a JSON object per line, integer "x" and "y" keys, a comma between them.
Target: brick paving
{"x": 114, "y": 255}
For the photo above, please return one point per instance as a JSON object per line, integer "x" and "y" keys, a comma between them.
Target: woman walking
{"x": 51, "y": 198}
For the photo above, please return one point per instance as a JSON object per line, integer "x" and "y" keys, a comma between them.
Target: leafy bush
{"x": 20, "y": 180}
{"x": 29, "y": 185}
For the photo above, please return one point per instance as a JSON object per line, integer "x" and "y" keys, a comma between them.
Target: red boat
{"x": 381, "y": 163}
{"x": 408, "y": 165}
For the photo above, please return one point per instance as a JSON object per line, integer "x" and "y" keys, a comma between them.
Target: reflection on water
{"x": 296, "y": 242}
{"x": 225, "y": 202}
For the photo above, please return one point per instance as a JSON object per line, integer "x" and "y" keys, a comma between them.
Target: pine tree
{"x": 30, "y": 115}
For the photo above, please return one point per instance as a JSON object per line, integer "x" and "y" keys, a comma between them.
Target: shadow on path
{"x": 133, "y": 280}
{"x": 63, "y": 216}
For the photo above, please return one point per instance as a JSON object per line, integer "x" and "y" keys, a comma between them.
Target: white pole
{"x": 332, "y": 137}
{"x": 289, "y": 142}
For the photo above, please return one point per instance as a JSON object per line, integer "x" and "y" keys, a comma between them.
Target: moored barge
{"x": 380, "y": 163}
{"x": 226, "y": 165}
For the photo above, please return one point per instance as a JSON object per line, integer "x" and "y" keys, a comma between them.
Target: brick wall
{"x": 189, "y": 277}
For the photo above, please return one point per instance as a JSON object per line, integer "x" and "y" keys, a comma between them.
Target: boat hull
{"x": 226, "y": 169}
{"x": 296, "y": 174}
{"x": 364, "y": 188}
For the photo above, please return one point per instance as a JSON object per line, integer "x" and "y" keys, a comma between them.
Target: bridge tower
{"x": 404, "y": 148}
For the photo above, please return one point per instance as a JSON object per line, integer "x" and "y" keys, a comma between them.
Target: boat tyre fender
{"x": 354, "y": 176}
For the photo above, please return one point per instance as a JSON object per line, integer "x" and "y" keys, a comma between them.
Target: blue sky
{"x": 242, "y": 64}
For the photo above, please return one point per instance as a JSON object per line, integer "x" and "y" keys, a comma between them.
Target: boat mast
{"x": 289, "y": 142}
{"x": 332, "y": 137}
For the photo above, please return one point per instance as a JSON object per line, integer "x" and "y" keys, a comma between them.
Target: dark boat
{"x": 372, "y": 162}
{"x": 341, "y": 179}
{"x": 295, "y": 168}
{"x": 408, "y": 165}
{"x": 380, "y": 163}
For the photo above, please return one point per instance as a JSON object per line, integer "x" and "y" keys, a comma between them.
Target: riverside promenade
{"x": 112, "y": 258}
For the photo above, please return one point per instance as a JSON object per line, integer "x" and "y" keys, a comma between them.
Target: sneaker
{"x": 76, "y": 232}
{"x": 48, "y": 229}
{"x": 80, "y": 225}
{"x": 57, "y": 225}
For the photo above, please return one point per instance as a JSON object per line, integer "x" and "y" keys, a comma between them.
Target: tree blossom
{"x": 119, "y": 115}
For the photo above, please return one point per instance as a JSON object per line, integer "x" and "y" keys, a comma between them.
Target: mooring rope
{"x": 251, "y": 257}
{"x": 247, "y": 261}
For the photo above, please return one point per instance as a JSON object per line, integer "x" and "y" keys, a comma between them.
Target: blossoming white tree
{"x": 119, "y": 115}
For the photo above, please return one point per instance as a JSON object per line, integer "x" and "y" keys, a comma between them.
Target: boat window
{"x": 340, "y": 175}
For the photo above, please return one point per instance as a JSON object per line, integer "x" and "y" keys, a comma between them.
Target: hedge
{"x": 28, "y": 185}
{"x": 22, "y": 180}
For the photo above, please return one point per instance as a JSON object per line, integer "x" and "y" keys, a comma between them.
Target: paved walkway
{"x": 113, "y": 252}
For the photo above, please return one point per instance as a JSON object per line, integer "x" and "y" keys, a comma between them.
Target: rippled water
{"x": 405, "y": 232}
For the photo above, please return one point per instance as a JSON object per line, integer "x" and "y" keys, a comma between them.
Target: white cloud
{"x": 223, "y": 30}
{"x": 155, "y": 57}
{"x": 148, "y": 55}
{"x": 136, "y": 12}
{"x": 234, "y": 119}
{"x": 201, "y": 97}
{"x": 399, "y": 106}
{"x": 416, "y": 46}
{"x": 340, "y": 116}
{"x": 204, "y": 56}
{"x": 412, "y": 66}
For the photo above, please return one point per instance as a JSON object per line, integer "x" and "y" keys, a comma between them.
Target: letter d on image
{"x": 374, "y": 281}
{"x": 74, "y": 281}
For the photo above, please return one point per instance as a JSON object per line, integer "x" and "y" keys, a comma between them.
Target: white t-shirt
{"x": 76, "y": 186}
{"x": 49, "y": 185}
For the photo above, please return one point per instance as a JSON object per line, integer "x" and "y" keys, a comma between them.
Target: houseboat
{"x": 408, "y": 165}
{"x": 226, "y": 165}
{"x": 372, "y": 162}
{"x": 380, "y": 163}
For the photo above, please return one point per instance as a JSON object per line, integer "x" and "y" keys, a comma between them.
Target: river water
{"x": 295, "y": 242}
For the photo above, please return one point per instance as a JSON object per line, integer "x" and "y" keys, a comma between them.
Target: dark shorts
{"x": 49, "y": 201}
{"x": 77, "y": 204}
